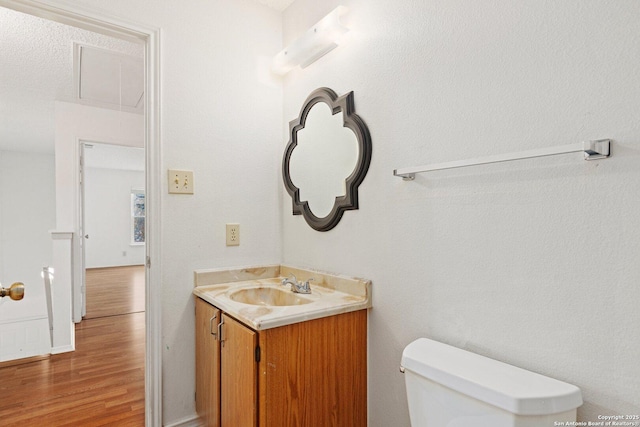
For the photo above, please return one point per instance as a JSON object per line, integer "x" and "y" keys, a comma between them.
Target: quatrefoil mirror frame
{"x": 348, "y": 201}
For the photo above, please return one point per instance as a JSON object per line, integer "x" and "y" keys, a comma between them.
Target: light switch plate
{"x": 180, "y": 182}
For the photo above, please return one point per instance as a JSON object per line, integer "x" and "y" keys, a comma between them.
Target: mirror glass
{"x": 327, "y": 153}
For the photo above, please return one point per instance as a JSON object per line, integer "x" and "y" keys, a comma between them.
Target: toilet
{"x": 450, "y": 387}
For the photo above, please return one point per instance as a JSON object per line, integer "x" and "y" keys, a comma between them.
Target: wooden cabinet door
{"x": 314, "y": 373}
{"x": 207, "y": 363}
{"x": 239, "y": 375}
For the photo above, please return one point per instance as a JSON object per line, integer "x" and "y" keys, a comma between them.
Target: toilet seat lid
{"x": 513, "y": 389}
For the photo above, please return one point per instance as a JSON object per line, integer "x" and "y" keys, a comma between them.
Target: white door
{"x": 27, "y": 214}
{"x": 79, "y": 295}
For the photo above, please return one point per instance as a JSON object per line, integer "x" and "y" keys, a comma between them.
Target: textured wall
{"x": 220, "y": 117}
{"x": 532, "y": 262}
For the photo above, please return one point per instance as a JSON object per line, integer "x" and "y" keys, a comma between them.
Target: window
{"x": 137, "y": 217}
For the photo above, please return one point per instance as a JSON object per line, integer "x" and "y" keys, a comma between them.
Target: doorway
{"x": 97, "y": 22}
{"x": 112, "y": 192}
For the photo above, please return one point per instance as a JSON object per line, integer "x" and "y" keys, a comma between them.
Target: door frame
{"x": 103, "y": 23}
{"x": 79, "y": 283}
{"x": 80, "y": 289}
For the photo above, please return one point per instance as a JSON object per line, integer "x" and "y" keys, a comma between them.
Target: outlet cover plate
{"x": 233, "y": 234}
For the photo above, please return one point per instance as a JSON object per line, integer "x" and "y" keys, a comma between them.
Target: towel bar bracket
{"x": 599, "y": 149}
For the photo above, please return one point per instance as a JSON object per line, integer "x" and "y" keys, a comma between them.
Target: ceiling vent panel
{"x": 109, "y": 79}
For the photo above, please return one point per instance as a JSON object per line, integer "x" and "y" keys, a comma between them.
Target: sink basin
{"x": 268, "y": 296}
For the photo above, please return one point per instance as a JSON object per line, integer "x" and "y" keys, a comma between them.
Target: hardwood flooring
{"x": 99, "y": 384}
{"x": 114, "y": 290}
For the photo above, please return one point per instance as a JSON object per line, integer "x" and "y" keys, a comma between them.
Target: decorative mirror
{"x": 327, "y": 158}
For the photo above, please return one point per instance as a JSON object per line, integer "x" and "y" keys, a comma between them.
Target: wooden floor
{"x": 99, "y": 384}
{"x": 114, "y": 290}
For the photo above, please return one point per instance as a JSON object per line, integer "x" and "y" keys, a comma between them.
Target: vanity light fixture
{"x": 317, "y": 41}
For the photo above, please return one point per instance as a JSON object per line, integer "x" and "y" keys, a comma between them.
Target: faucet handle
{"x": 288, "y": 279}
{"x": 305, "y": 288}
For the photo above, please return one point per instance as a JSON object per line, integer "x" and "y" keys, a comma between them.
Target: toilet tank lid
{"x": 513, "y": 389}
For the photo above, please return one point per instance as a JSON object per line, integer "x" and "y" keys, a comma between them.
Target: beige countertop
{"x": 330, "y": 294}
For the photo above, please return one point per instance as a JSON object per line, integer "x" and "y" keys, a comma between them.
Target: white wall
{"x": 533, "y": 262}
{"x": 27, "y": 213}
{"x": 107, "y": 207}
{"x": 221, "y": 118}
{"x": 75, "y": 123}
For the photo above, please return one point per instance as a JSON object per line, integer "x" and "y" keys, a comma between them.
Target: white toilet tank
{"x": 450, "y": 387}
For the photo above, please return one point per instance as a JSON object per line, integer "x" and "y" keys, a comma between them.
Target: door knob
{"x": 86, "y": 236}
{"x": 15, "y": 291}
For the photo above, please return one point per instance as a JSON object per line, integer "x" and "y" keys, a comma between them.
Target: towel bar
{"x": 593, "y": 150}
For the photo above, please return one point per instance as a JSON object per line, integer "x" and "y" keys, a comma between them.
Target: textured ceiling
{"x": 36, "y": 69}
{"x": 276, "y": 4}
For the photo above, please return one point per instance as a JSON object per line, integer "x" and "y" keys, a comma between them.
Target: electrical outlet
{"x": 180, "y": 182}
{"x": 233, "y": 234}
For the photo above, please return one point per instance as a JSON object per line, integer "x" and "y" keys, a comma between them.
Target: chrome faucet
{"x": 297, "y": 287}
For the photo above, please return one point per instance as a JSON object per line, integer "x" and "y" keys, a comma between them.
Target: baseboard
{"x": 62, "y": 349}
{"x": 16, "y": 362}
{"x": 192, "y": 421}
{"x": 135, "y": 264}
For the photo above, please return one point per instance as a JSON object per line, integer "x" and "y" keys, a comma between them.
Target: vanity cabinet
{"x": 229, "y": 399}
{"x": 239, "y": 374}
{"x": 207, "y": 363}
{"x": 311, "y": 373}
